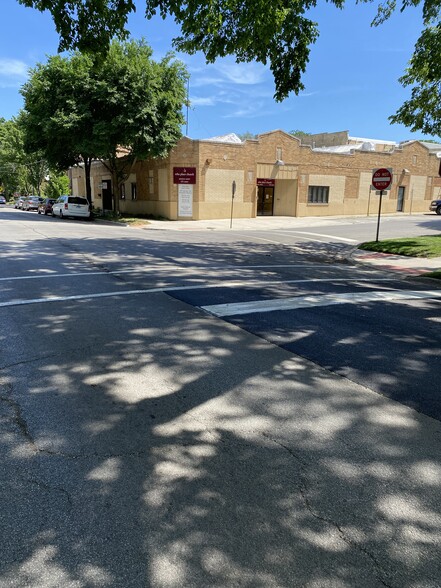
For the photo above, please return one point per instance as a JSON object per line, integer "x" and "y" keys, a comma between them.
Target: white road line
{"x": 299, "y": 235}
{"x": 295, "y": 233}
{"x": 71, "y": 275}
{"x": 296, "y": 302}
{"x": 225, "y": 284}
{"x": 89, "y": 296}
{"x": 280, "y": 242}
{"x": 165, "y": 267}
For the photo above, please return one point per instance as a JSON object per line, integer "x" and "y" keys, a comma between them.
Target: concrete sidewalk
{"x": 397, "y": 263}
{"x": 263, "y": 223}
{"x": 260, "y": 223}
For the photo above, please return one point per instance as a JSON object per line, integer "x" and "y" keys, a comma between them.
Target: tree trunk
{"x": 115, "y": 189}
{"x": 87, "y": 166}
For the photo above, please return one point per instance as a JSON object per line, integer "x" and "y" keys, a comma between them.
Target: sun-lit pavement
{"x": 145, "y": 443}
{"x": 255, "y": 224}
{"x": 398, "y": 263}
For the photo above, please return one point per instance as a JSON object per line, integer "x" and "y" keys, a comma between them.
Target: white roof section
{"x": 431, "y": 146}
{"x": 346, "y": 149}
{"x": 230, "y": 138}
{"x": 375, "y": 141}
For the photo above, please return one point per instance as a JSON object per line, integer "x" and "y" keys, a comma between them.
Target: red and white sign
{"x": 381, "y": 178}
{"x": 266, "y": 182}
{"x": 184, "y": 175}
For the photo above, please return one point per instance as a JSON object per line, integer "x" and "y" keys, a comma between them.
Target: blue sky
{"x": 351, "y": 81}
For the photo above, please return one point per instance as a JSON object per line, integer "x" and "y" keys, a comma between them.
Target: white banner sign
{"x": 185, "y": 200}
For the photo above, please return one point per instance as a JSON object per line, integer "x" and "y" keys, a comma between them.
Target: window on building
{"x": 151, "y": 184}
{"x": 133, "y": 186}
{"x": 414, "y": 159}
{"x": 122, "y": 191}
{"x": 318, "y": 194}
{"x": 279, "y": 153}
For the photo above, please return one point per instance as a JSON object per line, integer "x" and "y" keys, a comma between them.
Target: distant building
{"x": 275, "y": 174}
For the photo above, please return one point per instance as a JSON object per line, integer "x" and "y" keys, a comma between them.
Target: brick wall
{"x": 217, "y": 164}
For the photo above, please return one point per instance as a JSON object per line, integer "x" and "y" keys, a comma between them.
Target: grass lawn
{"x": 427, "y": 246}
{"x": 436, "y": 274}
{"x": 126, "y": 219}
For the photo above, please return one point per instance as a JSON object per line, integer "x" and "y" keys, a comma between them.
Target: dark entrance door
{"x": 400, "y": 199}
{"x": 265, "y": 200}
{"x": 107, "y": 194}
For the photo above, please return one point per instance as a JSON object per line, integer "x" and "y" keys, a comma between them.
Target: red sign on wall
{"x": 270, "y": 182}
{"x": 184, "y": 175}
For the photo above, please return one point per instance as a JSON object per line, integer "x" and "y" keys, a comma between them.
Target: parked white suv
{"x": 76, "y": 206}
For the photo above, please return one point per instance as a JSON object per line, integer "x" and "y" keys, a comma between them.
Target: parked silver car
{"x": 31, "y": 203}
{"x": 74, "y": 206}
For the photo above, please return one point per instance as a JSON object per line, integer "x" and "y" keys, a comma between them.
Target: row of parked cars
{"x": 29, "y": 202}
{"x": 64, "y": 206}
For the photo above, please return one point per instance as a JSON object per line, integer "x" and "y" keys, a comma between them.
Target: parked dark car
{"x": 45, "y": 207}
{"x": 32, "y": 203}
{"x": 2, "y": 199}
{"x": 435, "y": 206}
{"x": 19, "y": 202}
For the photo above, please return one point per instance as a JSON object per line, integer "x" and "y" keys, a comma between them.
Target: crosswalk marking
{"x": 309, "y": 301}
{"x": 171, "y": 288}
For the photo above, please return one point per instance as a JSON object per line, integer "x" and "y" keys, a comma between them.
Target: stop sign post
{"x": 381, "y": 180}
{"x": 233, "y": 192}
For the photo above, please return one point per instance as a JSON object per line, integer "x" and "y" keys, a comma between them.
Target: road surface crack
{"x": 49, "y": 488}
{"x": 303, "y": 491}
{"x": 19, "y": 420}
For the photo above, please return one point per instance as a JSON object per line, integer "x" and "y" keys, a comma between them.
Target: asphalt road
{"x": 215, "y": 408}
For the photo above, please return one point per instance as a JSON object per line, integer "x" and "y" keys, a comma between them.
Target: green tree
{"x": 299, "y": 134}
{"x": 278, "y": 33}
{"x": 422, "y": 112}
{"x": 247, "y": 135}
{"x": 58, "y": 115}
{"x": 57, "y": 184}
{"x": 77, "y": 110}
{"x": 140, "y": 107}
{"x": 20, "y": 171}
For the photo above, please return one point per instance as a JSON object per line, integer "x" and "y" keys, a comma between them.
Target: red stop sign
{"x": 382, "y": 178}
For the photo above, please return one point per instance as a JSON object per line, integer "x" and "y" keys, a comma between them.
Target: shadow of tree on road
{"x": 146, "y": 444}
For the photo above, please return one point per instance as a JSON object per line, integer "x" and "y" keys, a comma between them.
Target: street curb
{"x": 357, "y": 256}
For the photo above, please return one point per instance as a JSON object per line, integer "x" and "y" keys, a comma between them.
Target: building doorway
{"x": 107, "y": 194}
{"x": 400, "y": 199}
{"x": 265, "y": 200}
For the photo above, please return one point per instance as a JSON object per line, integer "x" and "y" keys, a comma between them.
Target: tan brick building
{"x": 274, "y": 174}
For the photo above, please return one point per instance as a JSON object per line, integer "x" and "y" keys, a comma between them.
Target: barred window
{"x": 318, "y": 194}
{"x": 122, "y": 191}
{"x": 133, "y": 190}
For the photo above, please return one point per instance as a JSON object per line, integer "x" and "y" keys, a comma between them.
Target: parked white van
{"x": 75, "y": 206}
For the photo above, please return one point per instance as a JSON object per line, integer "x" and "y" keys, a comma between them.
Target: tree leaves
{"x": 422, "y": 111}
{"x": 77, "y": 109}
{"x": 278, "y": 33}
